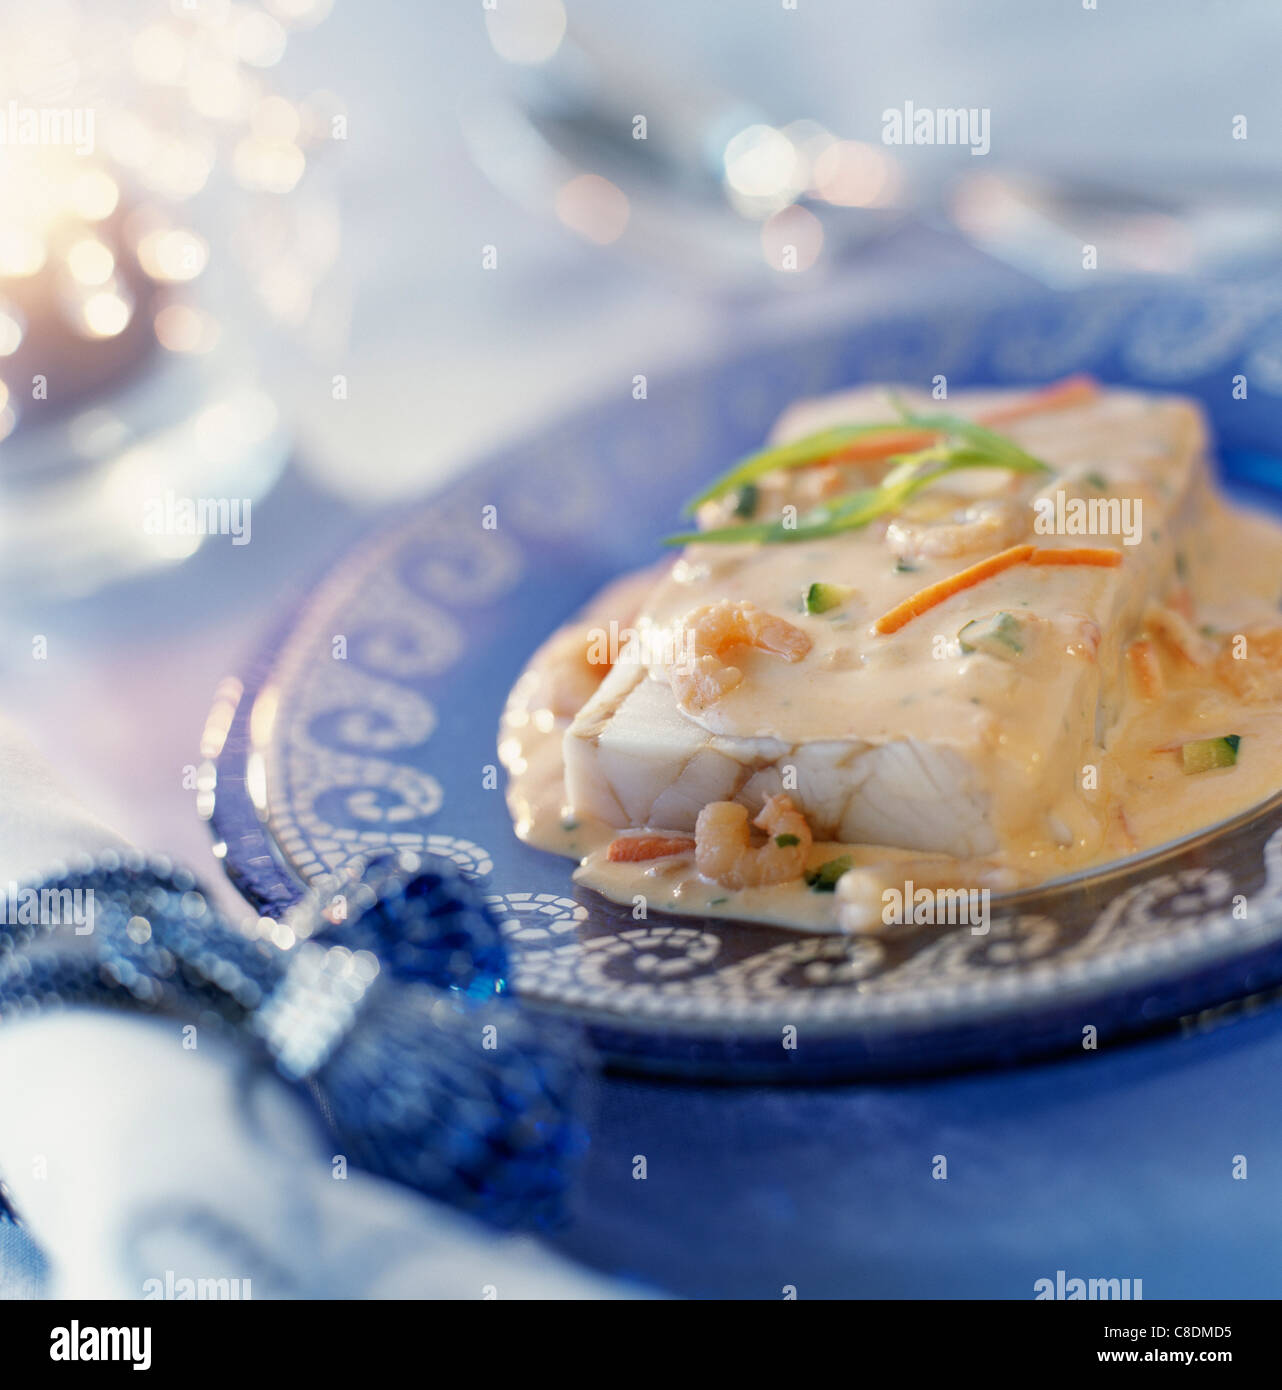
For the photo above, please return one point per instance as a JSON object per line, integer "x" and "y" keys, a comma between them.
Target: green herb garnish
{"x": 824, "y": 878}
{"x": 746, "y": 502}
{"x": 962, "y": 444}
{"x": 813, "y": 448}
{"x": 784, "y": 841}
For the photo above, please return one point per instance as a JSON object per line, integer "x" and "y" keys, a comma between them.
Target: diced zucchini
{"x": 998, "y": 635}
{"x": 823, "y": 598}
{"x": 824, "y": 878}
{"x": 1204, "y": 754}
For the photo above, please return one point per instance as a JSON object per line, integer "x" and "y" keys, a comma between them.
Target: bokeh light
{"x": 593, "y": 207}
{"x": 299, "y": 14}
{"x": 791, "y": 240}
{"x": 526, "y": 31}
{"x": 852, "y": 174}
{"x": 761, "y": 162}
{"x": 104, "y": 314}
{"x": 173, "y": 255}
{"x": 257, "y": 38}
{"x": 91, "y": 262}
{"x": 22, "y": 251}
{"x": 185, "y": 329}
{"x": 160, "y": 55}
{"x": 268, "y": 166}
{"x": 93, "y": 195}
{"x": 11, "y": 330}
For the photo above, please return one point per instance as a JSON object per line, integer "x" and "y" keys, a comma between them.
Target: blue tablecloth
{"x": 1115, "y": 1164}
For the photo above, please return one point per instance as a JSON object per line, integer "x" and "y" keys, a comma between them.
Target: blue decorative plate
{"x": 371, "y": 722}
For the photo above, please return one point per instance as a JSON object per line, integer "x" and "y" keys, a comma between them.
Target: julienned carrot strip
{"x": 631, "y": 849}
{"x": 926, "y": 599}
{"x": 1091, "y": 555}
{"x": 1073, "y": 390}
{"x": 1059, "y": 395}
{"x": 880, "y": 446}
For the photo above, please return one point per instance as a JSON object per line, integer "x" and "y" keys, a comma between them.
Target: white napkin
{"x": 147, "y": 1168}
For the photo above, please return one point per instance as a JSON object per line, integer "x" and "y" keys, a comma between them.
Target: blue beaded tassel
{"x": 389, "y": 1010}
{"x": 424, "y": 919}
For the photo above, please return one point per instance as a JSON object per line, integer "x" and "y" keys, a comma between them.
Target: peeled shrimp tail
{"x": 702, "y": 677}
{"x": 723, "y": 851}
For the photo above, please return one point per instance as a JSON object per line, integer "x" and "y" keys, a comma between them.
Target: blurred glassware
{"x": 1042, "y": 224}
{"x": 723, "y": 195}
{"x": 687, "y": 175}
{"x": 151, "y": 270}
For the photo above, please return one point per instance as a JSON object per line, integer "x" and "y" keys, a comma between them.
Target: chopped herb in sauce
{"x": 824, "y": 878}
{"x": 784, "y": 841}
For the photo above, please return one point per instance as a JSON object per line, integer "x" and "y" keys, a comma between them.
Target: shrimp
{"x": 984, "y": 526}
{"x": 1250, "y": 664}
{"x": 700, "y": 677}
{"x": 716, "y": 627}
{"x": 723, "y": 852}
{"x": 702, "y": 682}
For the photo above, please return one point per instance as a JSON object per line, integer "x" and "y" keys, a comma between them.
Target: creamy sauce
{"x": 919, "y": 760}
